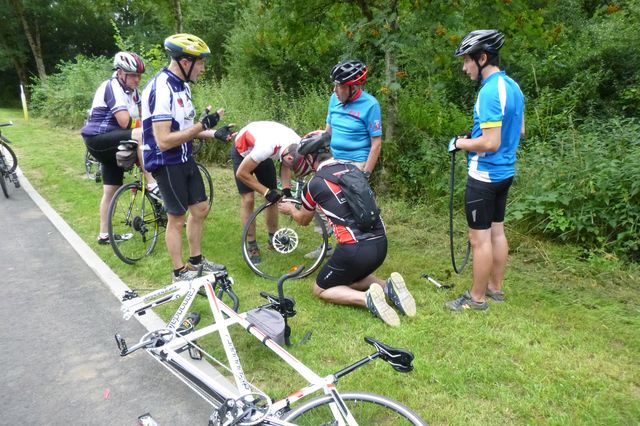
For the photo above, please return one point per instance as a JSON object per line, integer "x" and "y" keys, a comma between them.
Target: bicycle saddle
{"x": 400, "y": 359}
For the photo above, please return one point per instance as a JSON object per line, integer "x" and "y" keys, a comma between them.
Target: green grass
{"x": 564, "y": 348}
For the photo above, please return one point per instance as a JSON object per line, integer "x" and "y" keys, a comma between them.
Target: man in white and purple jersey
{"x": 168, "y": 131}
{"x": 498, "y": 125}
{"x": 114, "y": 117}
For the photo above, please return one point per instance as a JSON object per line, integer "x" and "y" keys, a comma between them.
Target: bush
{"x": 66, "y": 96}
{"x": 583, "y": 186}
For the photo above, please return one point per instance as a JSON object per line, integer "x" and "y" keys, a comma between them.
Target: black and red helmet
{"x": 349, "y": 73}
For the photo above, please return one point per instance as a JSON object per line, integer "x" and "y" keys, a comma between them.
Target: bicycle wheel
{"x": 208, "y": 183}
{"x": 8, "y": 156}
{"x": 291, "y": 242}
{"x": 92, "y": 167}
{"x": 136, "y": 218}
{"x": 3, "y": 181}
{"x": 366, "y": 408}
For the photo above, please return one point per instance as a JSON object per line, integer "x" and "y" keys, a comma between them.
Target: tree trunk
{"x": 33, "y": 37}
{"x": 177, "y": 15}
{"x": 390, "y": 76}
{"x": 364, "y": 8}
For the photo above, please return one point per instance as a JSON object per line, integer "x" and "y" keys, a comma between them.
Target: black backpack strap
{"x": 325, "y": 174}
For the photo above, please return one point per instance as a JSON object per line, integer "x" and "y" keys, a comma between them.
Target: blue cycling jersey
{"x": 500, "y": 103}
{"x": 353, "y": 125}
{"x": 166, "y": 98}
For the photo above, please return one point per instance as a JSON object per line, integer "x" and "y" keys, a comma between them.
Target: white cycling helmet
{"x": 128, "y": 62}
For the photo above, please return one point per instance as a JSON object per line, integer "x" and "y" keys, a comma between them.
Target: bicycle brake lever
{"x": 129, "y": 294}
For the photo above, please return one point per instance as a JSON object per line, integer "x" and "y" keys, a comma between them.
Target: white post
{"x": 23, "y": 98}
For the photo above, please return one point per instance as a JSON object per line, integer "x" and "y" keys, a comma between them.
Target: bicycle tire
{"x": 131, "y": 212}
{"x": 9, "y": 157}
{"x": 208, "y": 183}
{"x": 366, "y": 408}
{"x": 3, "y": 184}
{"x": 291, "y": 242}
{"x": 91, "y": 167}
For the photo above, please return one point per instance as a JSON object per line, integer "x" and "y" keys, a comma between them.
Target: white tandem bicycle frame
{"x": 246, "y": 404}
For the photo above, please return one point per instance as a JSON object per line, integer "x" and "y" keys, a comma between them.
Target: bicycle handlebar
{"x": 285, "y": 277}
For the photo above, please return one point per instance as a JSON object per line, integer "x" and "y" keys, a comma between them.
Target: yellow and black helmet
{"x": 186, "y": 46}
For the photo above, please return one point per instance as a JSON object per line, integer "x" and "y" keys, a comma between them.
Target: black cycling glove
{"x": 287, "y": 192}
{"x": 272, "y": 195}
{"x": 224, "y": 133}
{"x": 209, "y": 120}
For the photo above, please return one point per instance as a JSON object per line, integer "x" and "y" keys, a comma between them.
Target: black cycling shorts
{"x": 351, "y": 263}
{"x": 485, "y": 202}
{"x": 104, "y": 147}
{"x": 181, "y": 186}
{"x": 265, "y": 172}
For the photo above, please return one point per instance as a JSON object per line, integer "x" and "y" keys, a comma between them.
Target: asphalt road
{"x": 60, "y": 364}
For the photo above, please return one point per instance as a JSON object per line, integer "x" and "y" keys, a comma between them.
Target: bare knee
{"x": 479, "y": 237}
{"x": 247, "y": 201}
{"x": 200, "y": 210}
{"x": 176, "y": 222}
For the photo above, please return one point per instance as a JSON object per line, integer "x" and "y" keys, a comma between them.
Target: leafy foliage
{"x": 583, "y": 186}
{"x": 573, "y": 60}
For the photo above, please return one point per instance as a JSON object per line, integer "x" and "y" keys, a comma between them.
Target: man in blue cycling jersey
{"x": 498, "y": 125}
{"x": 353, "y": 118}
{"x": 168, "y": 131}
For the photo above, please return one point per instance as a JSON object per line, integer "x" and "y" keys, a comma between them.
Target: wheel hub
{"x": 285, "y": 240}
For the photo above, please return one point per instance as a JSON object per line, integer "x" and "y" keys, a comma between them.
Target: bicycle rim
{"x": 9, "y": 157}
{"x": 208, "y": 183}
{"x": 366, "y": 408}
{"x": 291, "y": 243}
{"x": 3, "y": 184}
{"x": 137, "y": 216}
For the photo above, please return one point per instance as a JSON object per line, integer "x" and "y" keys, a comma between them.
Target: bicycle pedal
{"x": 195, "y": 353}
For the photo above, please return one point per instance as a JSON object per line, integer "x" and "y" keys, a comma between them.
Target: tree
{"x": 31, "y": 27}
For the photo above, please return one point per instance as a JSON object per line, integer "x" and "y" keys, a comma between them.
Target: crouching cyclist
{"x": 347, "y": 278}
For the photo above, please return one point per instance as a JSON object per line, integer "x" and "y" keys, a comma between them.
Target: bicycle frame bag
{"x": 126, "y": 156}
{"x": 358, "y": 194}
{"x": 269, "y": 321}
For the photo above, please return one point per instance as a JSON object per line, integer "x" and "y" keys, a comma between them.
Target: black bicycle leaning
{"x": 8, "y": 163}
{"x": 138, "y": 218}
